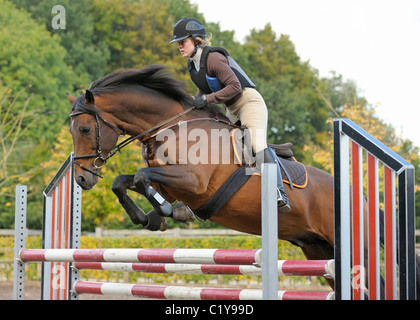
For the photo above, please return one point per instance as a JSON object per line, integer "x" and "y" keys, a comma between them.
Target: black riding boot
{"x": 282, "y": 200}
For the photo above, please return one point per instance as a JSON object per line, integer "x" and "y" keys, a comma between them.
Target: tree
{"x": 272, "y": 57}
{"x": 13, "y": 112}
{"x": 87, "y": 55}
{"x": 31, "y": 57}
{"x": 138, "y": 32}
{"x": 33, "y": 70}
{"x": 288, "y": 85}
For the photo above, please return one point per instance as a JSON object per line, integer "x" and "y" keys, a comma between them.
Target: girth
{"x": 223, "y": 194}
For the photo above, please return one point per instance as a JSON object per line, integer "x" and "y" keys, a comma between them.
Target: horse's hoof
{"x": 182, "y": 213}
{"x": 163, "y": 224}
{"x": 155, "y": 222}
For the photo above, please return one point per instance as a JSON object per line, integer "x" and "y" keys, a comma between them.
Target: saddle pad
{"x": 295, "y": 170}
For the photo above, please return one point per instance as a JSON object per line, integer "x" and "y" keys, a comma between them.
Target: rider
{"x": 221, "y": 80}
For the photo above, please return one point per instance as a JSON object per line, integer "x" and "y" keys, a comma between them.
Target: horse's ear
{"x": 89, "y": 99}
{"x": 70, "y": 98}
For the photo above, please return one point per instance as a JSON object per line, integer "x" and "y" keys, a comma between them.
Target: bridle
{"x": 98, "y": 155}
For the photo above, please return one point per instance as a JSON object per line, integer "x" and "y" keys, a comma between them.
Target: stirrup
{"x": 282, "y": 202}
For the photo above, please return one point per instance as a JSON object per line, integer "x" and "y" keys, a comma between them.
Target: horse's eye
{"x": 85, "y": 130}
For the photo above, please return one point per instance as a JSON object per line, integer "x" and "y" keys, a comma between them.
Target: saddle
{"x": 293, "y": 172}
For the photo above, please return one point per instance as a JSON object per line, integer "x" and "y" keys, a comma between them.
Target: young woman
{"x": 220, "y": 79}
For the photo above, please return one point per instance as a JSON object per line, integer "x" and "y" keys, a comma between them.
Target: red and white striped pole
{"x": 285, "y": 268}
{"x": 209, "y": 256}
{"x": 190, "y": 293}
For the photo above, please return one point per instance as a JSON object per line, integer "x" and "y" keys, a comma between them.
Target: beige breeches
{"x": 251, "y": 110}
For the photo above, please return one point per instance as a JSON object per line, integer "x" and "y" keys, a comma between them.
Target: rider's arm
{"x": 218, "y": 66}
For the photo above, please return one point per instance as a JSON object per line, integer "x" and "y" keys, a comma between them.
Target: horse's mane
{"x": 156, "y": 77}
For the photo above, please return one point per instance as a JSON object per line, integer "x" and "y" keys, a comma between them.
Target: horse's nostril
{"x": 82, "y": 180}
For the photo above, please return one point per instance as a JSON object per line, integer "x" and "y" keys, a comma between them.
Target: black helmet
{"x": 188, "y": 27}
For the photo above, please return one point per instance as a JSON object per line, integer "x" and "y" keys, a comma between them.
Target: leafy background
{"x": 39, "y": 64}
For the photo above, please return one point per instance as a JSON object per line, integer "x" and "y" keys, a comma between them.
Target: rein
{"x": 117, "y": 148}
{"x": 126, "y": 142}
{"x": 193, "y": 120}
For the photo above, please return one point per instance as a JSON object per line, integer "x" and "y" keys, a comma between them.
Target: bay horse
{"x": 143, "y": 103}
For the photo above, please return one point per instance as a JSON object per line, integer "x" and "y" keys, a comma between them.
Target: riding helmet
{"x": 188, "y": 27}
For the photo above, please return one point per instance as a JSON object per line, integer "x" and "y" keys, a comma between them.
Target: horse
{"x": 149, "y": 103}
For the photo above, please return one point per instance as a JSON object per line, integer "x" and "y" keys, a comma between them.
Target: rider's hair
{"x": 204, "y": 42}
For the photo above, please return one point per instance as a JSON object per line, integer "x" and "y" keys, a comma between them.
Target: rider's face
{"x": 186, "y": 47}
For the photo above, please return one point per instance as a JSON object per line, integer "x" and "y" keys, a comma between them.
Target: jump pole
{"x": 269, "y": 231}
{"x": 209, "y": 256}
{"x": 20, "y": 242}
{"x": 323, "y": 268}
{"x": 190, "y": 293}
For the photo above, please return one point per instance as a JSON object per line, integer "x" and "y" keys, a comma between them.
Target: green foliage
{"x": 87, "y": 55}
{"x": 288, "y": 85}
{"x": 31, "y": 57}
{"x": 38, "y": 64}
{"x": 33, "y": 70}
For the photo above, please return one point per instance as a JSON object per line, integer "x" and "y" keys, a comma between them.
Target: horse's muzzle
{"x": 89, "y": 170}
{"x": 86, "y": 181}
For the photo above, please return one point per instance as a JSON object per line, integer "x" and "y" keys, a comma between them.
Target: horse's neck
{"x": 135, "y": 113}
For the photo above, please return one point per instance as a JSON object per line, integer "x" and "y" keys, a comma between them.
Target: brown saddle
{"x": 293, "y": 172}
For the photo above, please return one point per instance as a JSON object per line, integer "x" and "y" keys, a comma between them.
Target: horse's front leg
{"x": 151, "y": 221}
{"x": 184, "y": 179}
{"x": 143, "y": 185}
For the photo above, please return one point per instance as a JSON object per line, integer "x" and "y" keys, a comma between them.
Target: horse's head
{"x": 92, "y": 140}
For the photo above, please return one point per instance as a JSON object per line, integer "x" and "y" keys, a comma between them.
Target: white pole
{"x": 269, "y": 231}
{"x": 20, "y": 242}
{"x": 345, "y": 218}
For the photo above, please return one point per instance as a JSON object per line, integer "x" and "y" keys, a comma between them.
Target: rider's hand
{"x": 200, "y": 102}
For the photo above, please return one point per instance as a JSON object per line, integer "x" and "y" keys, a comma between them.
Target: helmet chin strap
{"x": 196, "y": 47}
{"x": 194, "y": 52}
